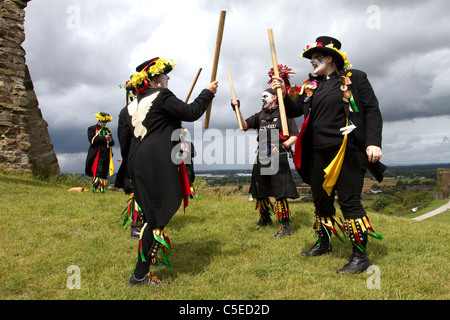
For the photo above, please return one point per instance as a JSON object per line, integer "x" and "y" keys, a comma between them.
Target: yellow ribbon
{"x": 334, "y": 168}
{"x": 111, "y": 162}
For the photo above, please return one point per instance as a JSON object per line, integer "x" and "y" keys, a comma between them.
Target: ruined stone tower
{"x": 25, "y": 144}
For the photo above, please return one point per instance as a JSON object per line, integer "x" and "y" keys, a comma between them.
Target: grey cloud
{"x": 77, "y": 72}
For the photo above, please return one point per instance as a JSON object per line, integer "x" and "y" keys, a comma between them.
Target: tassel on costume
{"x": 355, "y": 230}
{"x": 99, "y": 185}
{"x": 325, "y": 222}
{"x": 160, "y": 242}
{"x": 282, "y": 209}
{"x": 193, "y": 193}
{"x": 132, "y": 210}
{"x": 140, "y": 251}
{"x": 265, "y": 205}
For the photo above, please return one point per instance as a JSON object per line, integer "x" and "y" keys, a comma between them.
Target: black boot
{"x": 135, "y": 233}
{"x": 358, "y": 262}
{"x": 264, "y": 220}
{"x": 285, "y": 230}
{"x": 322, "y": 246}
{"x": 149, "y": 279}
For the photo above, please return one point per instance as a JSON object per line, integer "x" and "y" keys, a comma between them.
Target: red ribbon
{"x": 185, "y": 187}
{"x": 298, "y": 145}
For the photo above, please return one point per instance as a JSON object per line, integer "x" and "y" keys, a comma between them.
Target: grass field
{"x": 217, "y": 254}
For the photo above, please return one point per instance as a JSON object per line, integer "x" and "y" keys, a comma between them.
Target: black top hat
{"x": 329, "y": 46}
{"x": 146, "y": 64}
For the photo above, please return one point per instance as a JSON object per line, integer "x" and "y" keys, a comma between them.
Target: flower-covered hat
{"x": 329, "y": 46}
{"x": 147, "y": 70}
{"x": 103, "y": 116}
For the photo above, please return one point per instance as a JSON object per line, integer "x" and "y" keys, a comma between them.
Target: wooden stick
{"x": 193, "y": 85}
{"x": 236, "y": 108}
{"x": 284, "y": 125}
{"x": 216, "y": 62}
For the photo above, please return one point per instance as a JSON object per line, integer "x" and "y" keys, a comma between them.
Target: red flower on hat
{"x": 319, "y": 44}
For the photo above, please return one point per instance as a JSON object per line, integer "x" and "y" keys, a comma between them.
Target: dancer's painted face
{"x": 267, "y": 100}
{"x": 319, "y": 64}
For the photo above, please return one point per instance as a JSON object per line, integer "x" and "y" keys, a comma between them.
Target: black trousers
{"x": 103, "y": 165}
{"x": 348, "y": 186}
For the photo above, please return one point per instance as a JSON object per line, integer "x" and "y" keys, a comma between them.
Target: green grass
{"x": 217, "y": 254}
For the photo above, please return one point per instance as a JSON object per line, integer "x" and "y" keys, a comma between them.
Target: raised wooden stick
{"x": 216, "y": 62}
{"x": 193, "y": 85}
{"x": 284, "y": 125}
{"x": 236, "y": 108}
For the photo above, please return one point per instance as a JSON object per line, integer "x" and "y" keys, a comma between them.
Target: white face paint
{"x": 267, "y": 100}
{"x": 319, "y": 64}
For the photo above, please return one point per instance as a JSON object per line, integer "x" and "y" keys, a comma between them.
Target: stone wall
{"x": 25, "y": 144}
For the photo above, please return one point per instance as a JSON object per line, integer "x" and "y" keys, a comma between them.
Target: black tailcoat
{"x": 98, "y": 144}
{"x": 157, "y": 124}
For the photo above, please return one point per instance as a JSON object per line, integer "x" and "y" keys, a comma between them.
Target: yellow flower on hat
{"x": 105, "y": 117}
{"x": 161, "y": 65}
{"x": 154, "y": 70}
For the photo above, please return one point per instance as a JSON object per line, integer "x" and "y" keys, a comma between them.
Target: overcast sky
{"x": 79, "y": 52}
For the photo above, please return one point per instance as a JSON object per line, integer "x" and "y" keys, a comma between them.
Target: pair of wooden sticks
{"x": 214, "y": 74}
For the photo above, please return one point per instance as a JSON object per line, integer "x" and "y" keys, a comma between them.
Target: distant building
{"x": 443, "y": 180}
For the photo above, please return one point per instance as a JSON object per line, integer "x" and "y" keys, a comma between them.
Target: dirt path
{"x": 444, "y": 208}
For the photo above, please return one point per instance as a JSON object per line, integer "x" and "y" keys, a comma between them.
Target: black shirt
{"x": 327, "y": 113}
{"x": 270, "y": 119}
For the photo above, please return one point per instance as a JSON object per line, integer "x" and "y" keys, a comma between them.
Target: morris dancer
{"x": 159, "y": 181}
{"x": 340, "y": 139}
{"x": 99, "y": 158}
{"x": 128, "y": 144}
{"x": 267, "y": 183}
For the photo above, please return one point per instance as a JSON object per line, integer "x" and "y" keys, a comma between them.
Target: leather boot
{"x": 135, "y": 233}
{"x": 322, "y": 246}
{"x": 358, "y": 262}
{"x": 285, "y": 230}
{"x": 264, "y": 220}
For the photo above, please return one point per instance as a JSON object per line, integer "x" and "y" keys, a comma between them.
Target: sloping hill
{"x": 217, "y": 254}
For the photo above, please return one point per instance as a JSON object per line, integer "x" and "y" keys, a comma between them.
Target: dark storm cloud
{"x": 78, "y": 65}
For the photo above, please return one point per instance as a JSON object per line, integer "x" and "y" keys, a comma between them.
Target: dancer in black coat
{"x": 160, "y": 179}
{"x": 271, "y": 174}
{"x": 99, "y": 156}
{"x": 339, "y": 141}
